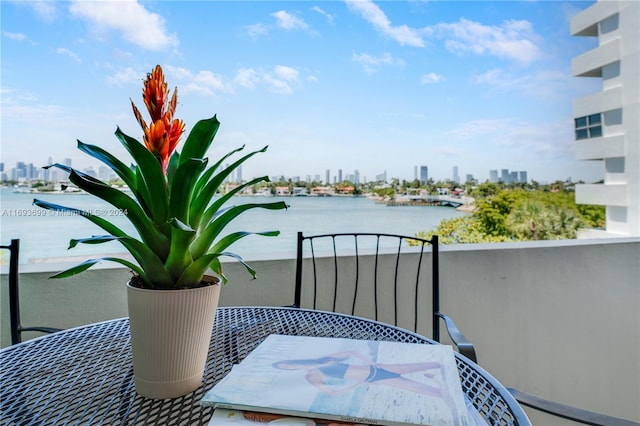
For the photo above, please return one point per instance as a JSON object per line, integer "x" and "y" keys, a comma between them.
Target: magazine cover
{"x": 353, "y": 381}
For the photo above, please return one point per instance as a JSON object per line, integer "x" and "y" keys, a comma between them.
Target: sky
{"x": 356, "y": 85}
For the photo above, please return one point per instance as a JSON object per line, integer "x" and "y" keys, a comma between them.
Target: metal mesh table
{"x": 84, "y": 376}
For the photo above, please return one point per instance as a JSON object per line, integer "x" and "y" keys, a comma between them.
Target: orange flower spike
{"x": 155, "y": 94}
{"x": 175, "y": 131}
{"x": 141, "y": 121}
{"x": 163, "y": 133}
{"x": 156, "y": 140}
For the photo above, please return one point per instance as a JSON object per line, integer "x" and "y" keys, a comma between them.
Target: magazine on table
{"x": 343, "y": 380}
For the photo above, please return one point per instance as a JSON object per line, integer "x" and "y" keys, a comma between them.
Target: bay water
{"x": 44, "y": 235}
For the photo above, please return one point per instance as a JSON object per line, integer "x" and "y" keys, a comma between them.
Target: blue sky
{"x": 356, "y": 85}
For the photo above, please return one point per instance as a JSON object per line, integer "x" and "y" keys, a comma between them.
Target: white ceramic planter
{"x": 170, "y": 336}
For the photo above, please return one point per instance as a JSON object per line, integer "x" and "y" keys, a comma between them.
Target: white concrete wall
{"x": 557, "y": 318}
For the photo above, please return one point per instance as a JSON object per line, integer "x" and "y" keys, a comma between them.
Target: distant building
{"x": 339, "y": 175}
{"x": 282, "y": 191}
{"x": 523, "y": 177}
{"x": 606, "y": 123}
{"x": 327, "y": 178}
{"x": 89, "y": 171}
{"x": 456, "y": 177}
{"x": 424, "y": 175}
{"x": 493, "y": 176}
{"x": 505, "y": 176}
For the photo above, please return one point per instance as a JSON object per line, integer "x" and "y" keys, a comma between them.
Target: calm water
{"x": 46, "y": 234}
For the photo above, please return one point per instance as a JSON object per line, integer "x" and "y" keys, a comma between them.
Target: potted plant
{"x": 180, "y": 222}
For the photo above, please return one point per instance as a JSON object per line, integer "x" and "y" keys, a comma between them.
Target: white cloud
{"x": 45, "y": 10}
{"x": 474, "y": 128}
{"x": 247, "y": 78}
{"x": 375, "y": 16}
{"x": 201, "y": 82}
{"x": 278, "y": 86}
{"x": 287, "y": 21}
{"x": 14, "y": 36}
{"x": 323, "y": 13}
{"x": 66, "y": 52}
{"x": 514, "y": 40}
{"x": 129, "y": 18}
{"x": 286, "y": 73}
{"x": 545, "y": 84}
{"x": 544, "y": 140}
{"x": 281, "y": 80}
{"x": 125, "y": 76}
{"x": 372, "y": 63}
{"x": 256, "y": 30}
{"x": 25, "y": 106}
{"x": 431, "y": 78}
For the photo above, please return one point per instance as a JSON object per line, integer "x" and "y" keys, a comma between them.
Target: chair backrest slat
{"x": 14, "y": 296}
{"x": 351, "y": 270}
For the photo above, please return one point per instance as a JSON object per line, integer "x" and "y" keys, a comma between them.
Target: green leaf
{"x": 199, "y": 139}
{"x": 102, "y": 223}
{"x": 229, "y": 239}
{"x": 179, "y": 257}
{"x": 148, "y": 232}
{"x": 90, "y": 262}
{"x": 151, "y": 269}
{"x": 182, "y": 190}
{"x": 151, "y": 175}
{"x": 174, "y": 161}
{"x": 217, "y": 204}
{"x": 122, "y": 170}
{"x": 95, "y": 239}
{"x": 205, "y": 240}
{"x": 204, "y": 197}
{"x": 193, "y": 274}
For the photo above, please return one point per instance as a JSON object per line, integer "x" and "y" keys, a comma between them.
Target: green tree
{"x": 564, "y": 223}
{"x": 461, "y": 230}
{"x": 486, "y": 189}
{"x": 594, "y": 216}
{"x": 492, "y": 212}
{"x": 527, "y": 219}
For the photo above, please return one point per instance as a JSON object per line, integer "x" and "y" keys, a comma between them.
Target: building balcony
{"x": 598, "y": 102}
{"x": 560, "y": 319}
{"x": 590, "y": 63}
{"x": 600, "y": 148}
{"x": 602, "y": 194}
{"x": 585, "y": 23}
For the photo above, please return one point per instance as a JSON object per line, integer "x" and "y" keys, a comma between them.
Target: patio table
{"x": 84, "y": 375}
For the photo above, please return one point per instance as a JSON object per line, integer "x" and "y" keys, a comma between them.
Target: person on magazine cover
{"x": 320, "y": 371}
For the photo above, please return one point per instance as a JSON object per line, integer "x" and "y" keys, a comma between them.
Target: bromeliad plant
{"x": 174, "y": 209}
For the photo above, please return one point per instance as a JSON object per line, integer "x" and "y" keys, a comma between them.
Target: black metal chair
{"x": 14, "y": 297}
{"x": 348, "y": 272}
{"x": 574, "y": 414}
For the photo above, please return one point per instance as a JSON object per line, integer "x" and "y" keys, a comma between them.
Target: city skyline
{"x": 388, "y": 86}
{"x": 24, "y": 171}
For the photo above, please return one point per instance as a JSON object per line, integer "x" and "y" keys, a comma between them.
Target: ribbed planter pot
{"x": 170, "y": 336}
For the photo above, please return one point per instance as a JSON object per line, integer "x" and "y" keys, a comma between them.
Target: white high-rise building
{"x": 607, "y": 123}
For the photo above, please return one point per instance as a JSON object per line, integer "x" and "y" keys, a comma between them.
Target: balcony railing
{"x": 559, "y": 319}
